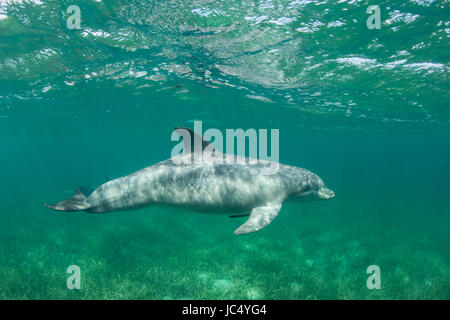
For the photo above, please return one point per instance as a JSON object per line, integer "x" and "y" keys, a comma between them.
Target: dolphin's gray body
{"x": 231, "y": 187}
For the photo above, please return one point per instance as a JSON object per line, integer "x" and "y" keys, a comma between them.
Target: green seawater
{"x": 368, "y": 110}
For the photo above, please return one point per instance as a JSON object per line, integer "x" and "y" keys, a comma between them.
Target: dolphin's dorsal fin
{"x": 259, "y": 218}
{"x": 189, "y": 145}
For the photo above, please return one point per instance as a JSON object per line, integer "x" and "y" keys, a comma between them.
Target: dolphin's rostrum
{"x": 230, "y": 187}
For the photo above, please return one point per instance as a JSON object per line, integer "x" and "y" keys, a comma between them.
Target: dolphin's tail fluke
{"x": 76, "y": 203}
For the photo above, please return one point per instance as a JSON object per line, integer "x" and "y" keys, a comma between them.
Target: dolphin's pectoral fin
{"x": 259, "y": 218}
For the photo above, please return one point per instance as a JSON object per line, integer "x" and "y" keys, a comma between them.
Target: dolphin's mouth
{"x": 325, "y": 193}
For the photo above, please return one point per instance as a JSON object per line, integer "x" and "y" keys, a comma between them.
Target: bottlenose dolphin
{"x": 236, "y": 188}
